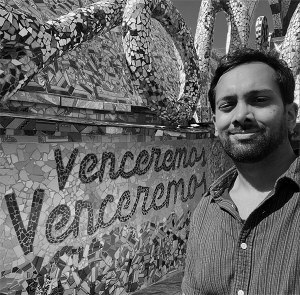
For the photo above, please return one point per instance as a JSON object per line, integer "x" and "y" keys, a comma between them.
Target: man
{"x": 245, "y": 232}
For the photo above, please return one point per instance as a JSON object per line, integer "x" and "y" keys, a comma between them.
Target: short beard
{"x": 257, "y": 149}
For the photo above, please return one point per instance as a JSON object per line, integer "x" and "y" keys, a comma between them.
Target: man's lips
{"x": 250, "y": 131}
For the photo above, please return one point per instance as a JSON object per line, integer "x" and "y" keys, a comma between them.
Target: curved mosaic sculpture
{"x": 136, "y": 32}
{"x": 270, "y": 36}
{"x": 37, "y": 45}
{"x": 262, "y": 33}
{"x": 27, "y": 45}
{"x": 290, "y": 51}
{"x": 239, "y": 17}
{"x": 282, "y": 11}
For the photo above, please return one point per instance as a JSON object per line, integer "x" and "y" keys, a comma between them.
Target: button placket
{"x": 243, "y": 260}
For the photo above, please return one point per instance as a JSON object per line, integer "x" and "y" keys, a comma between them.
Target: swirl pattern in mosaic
{"x": 282, "y": 11}
{"x": 33, "y": 40}
{"x": 290, "y": 51}
{"x": 30, "y": 46}
{"x": 136, "y": 34}
{"x": 239, "y": 16}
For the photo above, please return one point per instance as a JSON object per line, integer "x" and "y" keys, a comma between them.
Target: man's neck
{"x": 261, "y": 176}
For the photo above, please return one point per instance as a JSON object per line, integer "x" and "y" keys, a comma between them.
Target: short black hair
{"x": 284, "y": 76}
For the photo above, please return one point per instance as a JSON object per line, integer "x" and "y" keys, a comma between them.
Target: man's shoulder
{"x": 293, "y": 173}
{"x": 224, "y": 180}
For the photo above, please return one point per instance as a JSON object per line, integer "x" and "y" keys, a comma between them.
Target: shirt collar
{"x": 217, "y": 188}
{"x": 293, "y": 173}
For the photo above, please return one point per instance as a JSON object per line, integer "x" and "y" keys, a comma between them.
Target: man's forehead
{"x": 249, "y": 66}
{"x": 247, "y": 74}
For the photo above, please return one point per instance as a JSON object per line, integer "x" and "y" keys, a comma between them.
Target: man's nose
{"x": 242, "y": 112}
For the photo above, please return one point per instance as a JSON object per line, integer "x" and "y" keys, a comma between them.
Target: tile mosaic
{"x": 290, "y": 50}
{"x": 282, "y": 12}
{"x": 89, "y": 209}
{"x": 104, "y": 75}
{"x": 262, "y": 33}
{"x": 240, "y": 16}
{"x": 56, "y": 243}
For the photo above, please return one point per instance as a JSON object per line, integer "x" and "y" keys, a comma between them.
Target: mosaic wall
{"x": 116, "y": 60}
{"x": 98, "y": 218}
{"x": 239, "y": 11}
{"x": 282, "y": 12}
{"x": 262, "y": 33}
{"x": 87, "y": 208}
{"x": 290, "y": 50}
{"x": 30, "y": 45}
{"x": 39, "y": 126}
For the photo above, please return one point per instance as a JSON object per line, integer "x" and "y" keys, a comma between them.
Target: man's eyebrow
{"x": 227, "y": 97}
{"x": 247, "y": 94}
{"x": 259, "y": 91}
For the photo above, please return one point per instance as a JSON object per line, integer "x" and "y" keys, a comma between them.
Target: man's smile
{"x": 242, "y": 135}
{"x": 250, "y": 131}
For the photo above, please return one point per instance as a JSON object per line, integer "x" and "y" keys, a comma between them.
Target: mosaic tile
{"x": 262, "y": 33}
{"x": 282, "y": 12}
{"x": 103, "y": 217}
{"x": 290, "y": 50}
{"x": 91, "y": 209}
{"x": 204, "y": 32}
{"x": 97, "y": 77}
{"x": 100, "y": 70}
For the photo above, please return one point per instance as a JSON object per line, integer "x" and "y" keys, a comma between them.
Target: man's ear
{"x": 216, "y": 129}
{"x": 292, "y": 112}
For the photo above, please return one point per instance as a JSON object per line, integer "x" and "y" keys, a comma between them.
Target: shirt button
{"x": 240, "y": 292}
{"x": 244, "y": 247}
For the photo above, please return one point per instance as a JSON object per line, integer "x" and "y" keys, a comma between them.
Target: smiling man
{"x": 245, "y": 232}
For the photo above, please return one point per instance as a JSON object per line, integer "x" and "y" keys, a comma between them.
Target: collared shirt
{"x": 258, "y": 256}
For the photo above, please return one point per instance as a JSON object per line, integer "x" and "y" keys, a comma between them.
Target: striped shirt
{"x": 258, "y": 256}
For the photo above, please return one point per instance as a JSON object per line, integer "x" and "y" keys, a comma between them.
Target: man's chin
{"x": 247, "y": 152}
{"x": 246, "y": 158}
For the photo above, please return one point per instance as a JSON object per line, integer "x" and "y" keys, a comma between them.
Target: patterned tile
{"x": 116, "y": 62}
{"x": 91, "y": 209}
{"x": 100, "y": 69}
{"x": 106, "y": 218}
{"x": 262, "y": 33}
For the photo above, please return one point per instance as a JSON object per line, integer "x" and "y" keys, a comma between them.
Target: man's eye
{"x": 226, "y": 106}
{"x": 260, "y": 99}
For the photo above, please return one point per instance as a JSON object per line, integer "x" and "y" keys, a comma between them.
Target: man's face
{"x": 250, "y": 117}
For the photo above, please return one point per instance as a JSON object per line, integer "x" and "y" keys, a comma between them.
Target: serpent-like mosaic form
{"x": 136, "y": 32}
{"x": 262, "y": 33}
{"x": 290, "y": 51}
{"x": 282, "y": 11}
{"x": 239, "y": 15}
{"x": 239, "y": 18}
{"x": 27, "y": 45}
{"x": 30, "y": 46}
